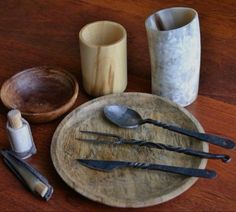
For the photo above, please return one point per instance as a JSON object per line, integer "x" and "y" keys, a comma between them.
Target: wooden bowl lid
{"x": 40, "y": 93}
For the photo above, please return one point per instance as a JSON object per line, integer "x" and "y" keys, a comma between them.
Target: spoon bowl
{"x": 122, "y": 116}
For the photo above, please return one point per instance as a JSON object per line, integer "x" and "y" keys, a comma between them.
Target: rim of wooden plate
{"x": 116, "y": 203}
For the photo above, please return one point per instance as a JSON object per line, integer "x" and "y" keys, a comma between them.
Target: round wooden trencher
{"x": 126, "y": 187}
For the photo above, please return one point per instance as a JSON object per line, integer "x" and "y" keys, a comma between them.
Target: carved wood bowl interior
{"x": 41, "y": 93}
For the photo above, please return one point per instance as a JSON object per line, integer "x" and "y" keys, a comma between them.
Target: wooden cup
{"x": 103, "y": 51}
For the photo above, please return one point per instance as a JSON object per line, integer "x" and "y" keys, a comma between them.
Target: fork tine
{"x": 101, "y": 133}
{"x": 93, "y": 140}
{"x": 85, "y": 139}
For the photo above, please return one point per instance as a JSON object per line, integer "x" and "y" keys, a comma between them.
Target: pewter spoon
{"x": 125, "y": 117}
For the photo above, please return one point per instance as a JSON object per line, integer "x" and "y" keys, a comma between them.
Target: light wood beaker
{"x": 103, "y": 51}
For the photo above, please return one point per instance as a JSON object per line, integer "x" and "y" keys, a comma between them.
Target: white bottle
{"x": 20, "y": 135}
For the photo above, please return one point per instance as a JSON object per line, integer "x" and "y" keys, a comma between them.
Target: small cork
{"x": 41, "y": 189}
{"x": 14, "y": 118}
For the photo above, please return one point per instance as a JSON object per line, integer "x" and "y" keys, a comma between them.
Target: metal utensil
{"x": 125, "y": 117}
{"x": 105, "y": 165}
{"x": 119, "y": 140}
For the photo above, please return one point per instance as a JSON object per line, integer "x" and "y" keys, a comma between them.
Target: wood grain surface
{"x": 125, "y": 187}
{"x": 35, "y": 33}
{"x": 103, "y": 56}
{"x": 42, "y": 94}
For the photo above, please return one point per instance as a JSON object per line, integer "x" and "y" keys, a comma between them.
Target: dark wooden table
{"x": 35, "y": 32}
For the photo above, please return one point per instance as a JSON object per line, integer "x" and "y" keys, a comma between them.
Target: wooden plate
{"x": 40, "y": 93}
{"x": 126, "y": 187}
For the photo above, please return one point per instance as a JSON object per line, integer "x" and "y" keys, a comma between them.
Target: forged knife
{"x": 105, "y": 165}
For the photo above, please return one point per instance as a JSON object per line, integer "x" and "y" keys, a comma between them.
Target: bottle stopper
{"x": 14, "y": 118}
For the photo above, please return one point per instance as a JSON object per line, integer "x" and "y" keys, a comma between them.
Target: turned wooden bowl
{"x": 41, "y": 93}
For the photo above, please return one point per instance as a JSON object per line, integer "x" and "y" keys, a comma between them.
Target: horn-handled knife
{"x": 105, "y": 165}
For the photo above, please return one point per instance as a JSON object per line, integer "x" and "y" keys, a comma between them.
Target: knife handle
{"x": 205, "y": 173}
{"x": 187, "y": 151}
{"x": 212, "y": 139}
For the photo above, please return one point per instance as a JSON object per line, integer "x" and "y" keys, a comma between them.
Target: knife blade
{"x": 106, "y": 165}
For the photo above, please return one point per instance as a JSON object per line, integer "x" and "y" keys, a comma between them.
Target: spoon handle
{"x": 186, "y": 151}
{"x": 212, "y": 139}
